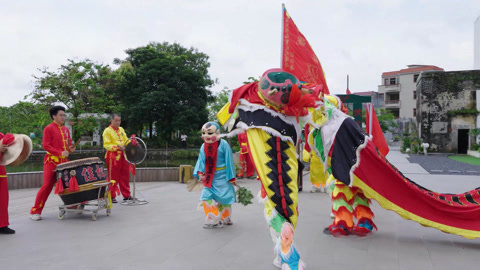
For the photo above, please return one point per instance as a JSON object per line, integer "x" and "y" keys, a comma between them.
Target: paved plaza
{"x": 167, "y": 233}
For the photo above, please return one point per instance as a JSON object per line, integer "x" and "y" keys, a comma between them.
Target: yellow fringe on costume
{"x": 259, "y": 138}
{"x": 318, "y": 175}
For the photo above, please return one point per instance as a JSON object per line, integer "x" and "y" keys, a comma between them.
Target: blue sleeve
{"x": 200, "y": 166}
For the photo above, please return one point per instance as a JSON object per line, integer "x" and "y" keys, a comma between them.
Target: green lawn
{"x": 467, "y": 159}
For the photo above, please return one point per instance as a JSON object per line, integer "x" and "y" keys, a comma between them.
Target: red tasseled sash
{"x": 210, "y": 162}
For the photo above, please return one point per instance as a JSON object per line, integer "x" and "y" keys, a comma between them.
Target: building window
{"x": 414, "y": 112}
{"x": 385, "y": 82}
{"x": 415, "y": 77}
{"x": 380, "y": 96}
{"x": 414, "y": 94}
{"x": 393, "y": 81}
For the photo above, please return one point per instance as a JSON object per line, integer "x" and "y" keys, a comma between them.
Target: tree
{"x": 216, "y": 104}
{"x": 386, "y": 119}
{"x": 24, "y": 118}
{"x": 83, "y": 87}
{"x": 166, "y": 87}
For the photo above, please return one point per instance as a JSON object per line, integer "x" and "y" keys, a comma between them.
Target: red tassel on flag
{"x": 73, "y": 184}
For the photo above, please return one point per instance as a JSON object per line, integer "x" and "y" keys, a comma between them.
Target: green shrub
{"x": 185, "y": 154}
{"x": 406, "y": 143}
{"x": 414, "y": 147}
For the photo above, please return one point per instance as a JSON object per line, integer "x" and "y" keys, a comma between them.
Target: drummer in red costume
{"x": 114, "y": 139}
{"x": 58, "y": 144}
{"x": 4, "y": 229}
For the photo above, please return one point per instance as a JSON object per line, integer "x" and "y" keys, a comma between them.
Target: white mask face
{"x": 210, "y": 134}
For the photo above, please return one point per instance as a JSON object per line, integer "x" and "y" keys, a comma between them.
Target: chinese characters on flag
{"x": 298, "y": 56}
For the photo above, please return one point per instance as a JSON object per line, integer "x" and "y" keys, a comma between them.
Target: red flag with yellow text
{"x": 298, "y": 56}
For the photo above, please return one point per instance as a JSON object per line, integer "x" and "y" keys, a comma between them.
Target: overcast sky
{"x": 362, "y": 38}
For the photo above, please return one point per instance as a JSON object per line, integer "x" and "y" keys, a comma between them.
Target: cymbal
{"x": 18, "y": 152}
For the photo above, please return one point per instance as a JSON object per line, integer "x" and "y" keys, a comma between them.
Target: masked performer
{"x": 347, "y": 202}
{"x": 245, "y": 160}
{"x": 114, "y": 139}
{"x": 269, "y": 110}
{"x": 318, "y": 174}
{"x": 58, "y": 144}
{"x": 216, "y": 170}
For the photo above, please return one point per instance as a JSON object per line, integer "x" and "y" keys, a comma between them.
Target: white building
{"x": 95, "y": 137}
{"x": 398, "y": 90}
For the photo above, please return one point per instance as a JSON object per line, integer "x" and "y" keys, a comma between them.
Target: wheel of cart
{"x": 90, "y": 193}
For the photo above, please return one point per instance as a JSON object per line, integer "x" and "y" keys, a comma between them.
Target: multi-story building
{"x": 448, "y": 108}
{"x": 377, "y": 99}
{"x": 398, "y": 90}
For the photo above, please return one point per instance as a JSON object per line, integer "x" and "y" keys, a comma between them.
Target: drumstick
{"x": 75, "y": 145}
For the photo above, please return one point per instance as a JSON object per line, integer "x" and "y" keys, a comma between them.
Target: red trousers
{"x": 49, "y": 181}
{"x": 3, "y": 198}
{"x": 118, "y": 171}
{"x": 246, "y": 163}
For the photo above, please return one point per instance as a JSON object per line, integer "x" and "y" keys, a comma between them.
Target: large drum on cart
{"x": 92, "y": 185}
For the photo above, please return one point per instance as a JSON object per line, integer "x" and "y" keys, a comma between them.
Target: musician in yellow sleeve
{"x": 114, "y": 139}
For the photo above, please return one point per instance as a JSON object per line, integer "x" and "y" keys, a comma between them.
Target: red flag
{"x": 374, "y": 129}
{"x": 298, "y": 56}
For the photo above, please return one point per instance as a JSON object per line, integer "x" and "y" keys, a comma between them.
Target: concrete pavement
{"x": 167, "y": 233}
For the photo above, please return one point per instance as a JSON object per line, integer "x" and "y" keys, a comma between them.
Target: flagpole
{"x": 281, "y": 38}
{"x": 370, "y": 109}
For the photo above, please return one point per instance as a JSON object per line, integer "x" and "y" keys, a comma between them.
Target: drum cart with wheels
{"x": 101, "y": 203}
{"x": 83, "y": 187}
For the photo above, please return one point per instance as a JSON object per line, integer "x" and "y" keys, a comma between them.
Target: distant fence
{"x": 35, "y": 179}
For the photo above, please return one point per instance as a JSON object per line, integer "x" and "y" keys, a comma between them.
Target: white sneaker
{"x": 35, "y": 217}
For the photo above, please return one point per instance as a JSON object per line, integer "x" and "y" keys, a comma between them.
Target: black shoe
{"x": 6, "y": 230}
{"x": 130, "y": 198}
{"x": 114, "y": 200}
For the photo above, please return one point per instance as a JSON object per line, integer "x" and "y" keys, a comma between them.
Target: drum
{"x": 88, "y": 172}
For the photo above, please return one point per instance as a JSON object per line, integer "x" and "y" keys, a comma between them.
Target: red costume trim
{"x": 210, "y": 150}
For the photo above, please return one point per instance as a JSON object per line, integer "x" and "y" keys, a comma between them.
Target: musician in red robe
{"x": 58, "y": 144}
{"x": 245, "y": 160}
{"x": 4, "y": 229}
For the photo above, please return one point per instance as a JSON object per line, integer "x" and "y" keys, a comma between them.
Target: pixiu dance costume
{"x": 269, "y": 111}
{"x": 347, "y": 201}
{"x": 216, "y": 169}
{"x": 318, "y": 174}
{"x": 358, "y": 164}
{"x": 56, "y": 139}
{"x": 117, "y": 166}
{"x": 245, "y": 160}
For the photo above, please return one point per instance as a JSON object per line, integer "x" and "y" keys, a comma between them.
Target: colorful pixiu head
{"x": 276, "y": 85}
{"x": 210, "y": 132}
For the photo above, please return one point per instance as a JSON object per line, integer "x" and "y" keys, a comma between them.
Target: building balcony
{"x": 389, "y": 88}
{"x": 392, "y": 103}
